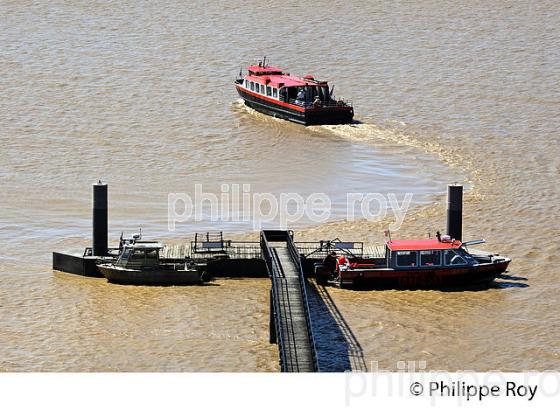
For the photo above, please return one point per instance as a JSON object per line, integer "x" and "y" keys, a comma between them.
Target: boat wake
{"x": 391, "y": 138}
{"x": 276, "y": 128}
{"x": 240, "y": 106}
{"x": 363, "y": 132}
{"x": 357, "y": 131}
{"x": 398, "y": 134}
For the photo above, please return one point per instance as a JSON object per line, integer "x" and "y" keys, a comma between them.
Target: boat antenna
{"x": 388, "y": 234}
{"x": 264, "y": 62}
{"x": 438, "y": 236}
{"x": 240, "y": 71}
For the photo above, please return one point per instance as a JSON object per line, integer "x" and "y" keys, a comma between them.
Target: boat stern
{"x": 330, "y": 116}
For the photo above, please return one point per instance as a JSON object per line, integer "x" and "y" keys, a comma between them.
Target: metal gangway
{"x": 290, "y": 319}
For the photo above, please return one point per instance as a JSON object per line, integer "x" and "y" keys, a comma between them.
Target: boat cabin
{"x": 271, "y": 82}
{"x": 141, "y": 255}
{"x": 427, "y": 254}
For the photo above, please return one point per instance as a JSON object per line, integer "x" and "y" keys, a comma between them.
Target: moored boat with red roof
{"x": 416, "y": 264}
{"x": 303, "y": 100}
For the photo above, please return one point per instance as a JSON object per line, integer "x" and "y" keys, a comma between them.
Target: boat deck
{"x": 252, "y": 250}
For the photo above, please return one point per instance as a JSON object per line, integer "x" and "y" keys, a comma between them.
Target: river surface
{"x": 140, "y": 95}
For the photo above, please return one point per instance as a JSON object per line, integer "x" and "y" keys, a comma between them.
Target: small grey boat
{"x": 139, "y": 264}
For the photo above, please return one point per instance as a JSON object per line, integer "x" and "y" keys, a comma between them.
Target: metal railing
{"x": 111, "y": 251}
{"x": 268, "y": 258}
{"x": 233, "y": 250}
{"x": 322, "y": 248}
{"x": 253, "y": 250}
{"x": 322, "y": 104}
{"x": 296, "y": 258}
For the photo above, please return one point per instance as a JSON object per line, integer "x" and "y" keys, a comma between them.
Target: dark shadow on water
{"x": 506, "y": 285}
{"x": 338, "y": 350}
{"x": 356, "y": 122}
{"x": 509, "y": 277}
{"x": 166, "y": 285}
{"x": 210, "y": 283}
{"x": 510, "y": 281}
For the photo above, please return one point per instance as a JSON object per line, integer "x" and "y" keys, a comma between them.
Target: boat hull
{"x": 297, "y": 114}
{"x": 481, "y": 275}
{"x": 157, "y": 277}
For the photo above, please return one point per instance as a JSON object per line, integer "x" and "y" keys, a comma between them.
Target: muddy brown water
{"x": 141, "y": 95}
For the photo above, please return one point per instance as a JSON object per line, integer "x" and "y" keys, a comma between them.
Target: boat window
{"x": 325, "y": 91}
{"x": 268, "y": 91}
{"x": 406, "y": 258}
{"x": 151, "y": 257}
{"x": 275, "y": 93}
{"x": 262, "y": 89}
{"x": 246, "y": 83}
{"x": 289, "y": 93}
{"x": 151, "y": 254}
{"x": 430, "y": 258}
{"x": 453, "y": 258}
{"x": 316, "y": 92}
{"x": 467, "y": 257}
{"x": 137, "y": 256}
{"x": 124, "y": 257}
{"x": 320, "y": 93}
{"x": 252, "y": 86}
{"x": 142, "y": 258}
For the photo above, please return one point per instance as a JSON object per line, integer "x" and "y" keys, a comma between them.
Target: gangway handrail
{"x": 296, "y": 258}
{"x": 267, "y": 254}
{"x": 288, "y": 323}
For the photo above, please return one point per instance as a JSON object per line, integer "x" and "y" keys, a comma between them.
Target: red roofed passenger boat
{"x": 416, "y": 264}
{"x": 305, "y": 100}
